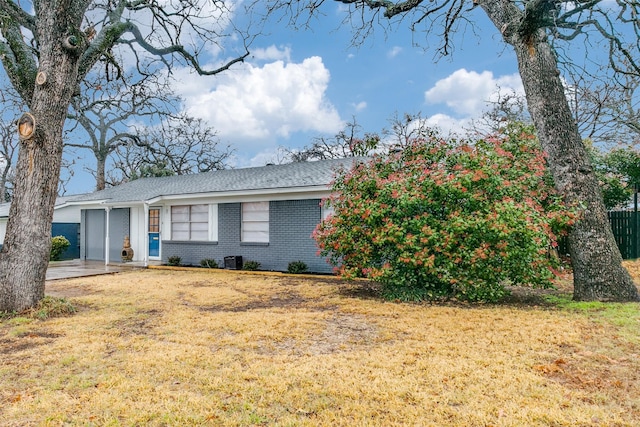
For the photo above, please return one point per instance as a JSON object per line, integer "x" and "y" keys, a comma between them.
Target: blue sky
{"x": 301, "y": 84}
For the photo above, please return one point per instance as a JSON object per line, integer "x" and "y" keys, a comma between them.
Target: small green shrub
{"x": 209, "y": 263}
{"x": 297, "y": 267}
{"x": 59, "y": 244}
{"x": 174, "y": 261}
{"x": 251, "y": 265}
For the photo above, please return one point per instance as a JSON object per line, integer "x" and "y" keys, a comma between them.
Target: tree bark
{"x": 25, "y": 255}
{"x": 596, "y": 260}
{"x": 100, "y": 172}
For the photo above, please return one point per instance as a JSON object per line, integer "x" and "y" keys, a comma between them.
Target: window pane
{"x": 154, "y": 220}
{"x": 255, "y": 206}
{"x": 179, "y": 209}
{"x": 326, "y": 211}
{"x": 199, "y": 226}
{"x": 200, "y": 217}
{"x": 200, "y": 213}
{"x": 256, "y": 226}
{"x": 200, "y": 208}
{"x": 255, "y": 216}
{"x": 180, "y": 235}
{"x": 180, "y": 226}
{"x": 179, "y": 213}
{"x": 255, "y": 236}
{"x": 199, "y": 235}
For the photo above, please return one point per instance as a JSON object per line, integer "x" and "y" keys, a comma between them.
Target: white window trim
{"x": 264, "y": 221}
{"x": 209, "y": 222}
{"x": 213, "y": 222}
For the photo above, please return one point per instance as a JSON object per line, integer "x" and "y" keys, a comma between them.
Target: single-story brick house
{"x": 264, "y": 214}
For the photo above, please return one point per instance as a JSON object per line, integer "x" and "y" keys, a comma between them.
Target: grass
{"x": 210, "y": 347}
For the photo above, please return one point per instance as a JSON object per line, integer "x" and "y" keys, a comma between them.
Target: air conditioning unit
{"x": 233, "y": 262}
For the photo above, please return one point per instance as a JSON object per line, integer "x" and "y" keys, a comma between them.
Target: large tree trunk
{"x": 596, "y": 260}
{"x": 25, "y": 255}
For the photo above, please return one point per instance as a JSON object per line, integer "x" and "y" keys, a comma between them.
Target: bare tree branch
{"x": 105, "y": 110}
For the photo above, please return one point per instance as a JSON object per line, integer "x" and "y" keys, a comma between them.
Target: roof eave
{"x": 240, "y": 193}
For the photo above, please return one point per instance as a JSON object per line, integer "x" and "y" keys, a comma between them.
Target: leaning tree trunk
{"x": 25, "y": 255}
{"x": 596, "y": 260}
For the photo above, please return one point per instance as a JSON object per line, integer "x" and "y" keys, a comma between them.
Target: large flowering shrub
{"x": 447, "y": 219}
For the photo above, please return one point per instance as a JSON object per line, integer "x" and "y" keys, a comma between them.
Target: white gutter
{"x": 280, "y": 192}
{"x": 83, "y": 203}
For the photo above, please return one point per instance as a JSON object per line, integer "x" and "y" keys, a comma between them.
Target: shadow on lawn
{"x": 519, "y": 296}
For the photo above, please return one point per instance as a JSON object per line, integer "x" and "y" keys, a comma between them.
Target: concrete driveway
{"x": 77, "y": 268}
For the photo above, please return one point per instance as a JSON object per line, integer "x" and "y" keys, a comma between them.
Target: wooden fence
{"x": 625, "y": 225}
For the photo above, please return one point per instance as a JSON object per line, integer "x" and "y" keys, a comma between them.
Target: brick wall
{"x": 291, "y": 223}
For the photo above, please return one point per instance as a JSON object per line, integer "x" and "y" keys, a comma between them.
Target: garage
{"x": 94, "y": 233}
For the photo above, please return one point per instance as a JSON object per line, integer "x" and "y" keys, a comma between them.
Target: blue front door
{"x": 154, "y": 232}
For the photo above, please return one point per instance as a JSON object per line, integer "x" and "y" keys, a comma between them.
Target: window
{"x": 154, "y": 220}
{"x": 327, "y": 210}
{"x": 255, "y": 222}
{"x": 190, "y": 222}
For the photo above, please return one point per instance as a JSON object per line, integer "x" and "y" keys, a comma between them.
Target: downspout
{"x": 106, "y": 243}
{"x": 146, "y": 234}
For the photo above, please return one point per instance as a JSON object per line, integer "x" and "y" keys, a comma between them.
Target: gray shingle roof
{"x": 274, "y": 177}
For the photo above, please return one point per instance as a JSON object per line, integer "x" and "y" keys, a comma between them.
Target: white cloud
{"x": 467, "y": 93}
{"x": 256, "y": 105}
{"x": 360, "y": 106}
{"x": 269, "y": 155}
{"x": 272, "y": 53}
{"x": 448, "y": 125}
{"x": 394, "y": 51}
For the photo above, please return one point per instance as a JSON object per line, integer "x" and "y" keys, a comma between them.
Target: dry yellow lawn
{"x": 216, "y": 348}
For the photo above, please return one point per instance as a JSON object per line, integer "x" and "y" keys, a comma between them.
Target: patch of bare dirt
{"x": 64, "y": 289}
{"x": 287, "y": 301}
{"x": 142, "y": 323}
{"x": 26, "y": 341}
{"x": 341, "y": 333}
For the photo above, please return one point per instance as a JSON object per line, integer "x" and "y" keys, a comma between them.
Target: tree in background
{"x": 509, "y": 108}
{"x": 599, "y": 114}
{"x": 447, "y": 218}
{"x": 532, "y": 29}
{"x": 8, "y": 149}
{"x": 179, "y": 145}
{"x": 47, "y": 50}
{"x": 607, "y": 110}
{"x": 405, "y": 130}
{"x": 353, "y": 142}
{"x": 626, "y": 162}
{"x": 618, "y": 171}
{"x": 106, "y": 110}
{"x": 9, "y": 107}
{"x": 349, "y": 142}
